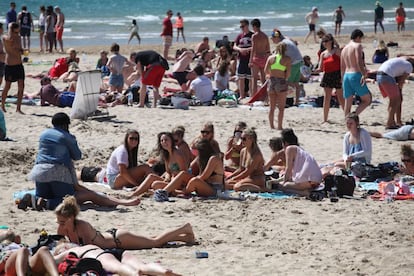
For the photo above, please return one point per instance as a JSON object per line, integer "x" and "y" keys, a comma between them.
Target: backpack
{"x": 72, "y": 264}
{"x": 345, "y": 185}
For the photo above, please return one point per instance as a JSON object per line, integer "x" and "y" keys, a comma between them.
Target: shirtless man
{"x": 258, "y": 56}
{"x": 311, "y": 18}
{"x": 181, "y": 69}
{"x": 203, "y": 45}
{"x": 24, "y": 18}
{"x": 60, "y": 22}
{"x": 354, "y": 73}
{"x": 14, "y": 70}
{"x": 400, "y": 18}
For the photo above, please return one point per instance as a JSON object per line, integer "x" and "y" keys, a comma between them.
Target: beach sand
{"x": 255, "y": 237}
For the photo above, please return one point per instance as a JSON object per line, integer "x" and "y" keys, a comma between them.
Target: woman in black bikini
{"x": 82, "y": 232}
{"x": 174, "y": 164}
{"x": 208, "y": 182}
{"x": 117, "y": 261}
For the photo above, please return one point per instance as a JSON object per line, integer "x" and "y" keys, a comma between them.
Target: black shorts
{"x": 116, "y": 252}
{"x": 332, "y": 80}
{"x": 2, "y": 65}
{"x": 13, "y": 73}
{"x": 311, "y": 27}
{"x": 24, "y": 32}
{"x": 243, "y": 69}
{"x": 181, "y": 77}
{"x": 181, "y": 29}
{"x": 88, "y": 174}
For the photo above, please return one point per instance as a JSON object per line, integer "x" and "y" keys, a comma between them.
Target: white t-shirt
{"x": 221, "y": 82}
{"x": 203, "y": 89}
{"x": 118, "y": 156}
{"x": 396, "y": 67}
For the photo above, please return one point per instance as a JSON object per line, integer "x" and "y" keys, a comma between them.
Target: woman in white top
{"x": 302, "y": 171}
{"x": 122, "y": 169}
{"x": 134, "y": 32}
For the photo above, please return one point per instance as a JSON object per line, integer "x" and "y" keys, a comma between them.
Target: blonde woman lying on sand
{"x": 81, "y": 232}
{"x": 174, "y": 163}
{"x": 115, "y": 261}
{"x": 250, "y": 174}
{"x": 210, "y": 180}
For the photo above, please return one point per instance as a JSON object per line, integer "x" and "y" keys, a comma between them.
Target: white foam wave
{"x": 213, "y": 11}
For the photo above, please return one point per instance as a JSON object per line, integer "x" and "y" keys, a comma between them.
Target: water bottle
{"x": 130, "y": 98}
{"x": 374, "y": 43}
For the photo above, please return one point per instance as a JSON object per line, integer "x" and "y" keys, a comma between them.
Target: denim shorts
{"x": 111, "y": 179}
{"x": 116, "y": 80}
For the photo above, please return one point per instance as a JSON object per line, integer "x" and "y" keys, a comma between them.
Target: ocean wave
{"x": 213, "y": 11}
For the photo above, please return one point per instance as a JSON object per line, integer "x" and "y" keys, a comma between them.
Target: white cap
{"x": 314, "y": 8}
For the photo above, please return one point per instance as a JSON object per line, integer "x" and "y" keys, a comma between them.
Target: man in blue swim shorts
{"x": 354, "y": 72}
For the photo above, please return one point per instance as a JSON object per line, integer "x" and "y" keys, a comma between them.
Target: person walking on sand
{"x": 338, "y": 16}
{"x": 134, "y": 32}
{"x": 354, "y": 73}
{"x": 311, "y": 18}
{"x": 379, "y": 17}
{"x": 258, "y": 56}
{"x": 278, "y": 70}
{"x": 400, "y": 17}
{"x": 25, "y": 20}
{"x": 11, "y": 15}
{"x": 60, "y": 22}
{"x": 14, "y": 70}
{"x": 167, "y": 33}
{"x": 179, "y": 24}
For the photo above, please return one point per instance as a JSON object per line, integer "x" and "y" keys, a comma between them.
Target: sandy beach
{"x": 255, "y": 237}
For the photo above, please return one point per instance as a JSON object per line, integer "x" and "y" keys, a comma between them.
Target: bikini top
{"x": 276, "y": 65}
{"x": 174, "y": 167}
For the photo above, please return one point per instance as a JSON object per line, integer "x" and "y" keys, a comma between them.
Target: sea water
{"x": 102, "y": 22}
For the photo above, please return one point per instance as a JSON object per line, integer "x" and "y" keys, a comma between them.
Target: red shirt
{"x": 167, "y": 27}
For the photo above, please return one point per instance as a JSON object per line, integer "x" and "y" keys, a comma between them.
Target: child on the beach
{"x": 115, "y": 64}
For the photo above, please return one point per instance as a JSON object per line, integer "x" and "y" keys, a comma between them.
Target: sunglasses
{"x": 405, "y": 160}
{"x": 133, "y": 138}
{"x": 242, "y": 26}
{"x": 205, "y": 132}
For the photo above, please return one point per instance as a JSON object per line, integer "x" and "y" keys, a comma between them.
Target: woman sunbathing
{"x": 210, "y": 180}
{"x": 174, "y": 163}
{"x": 15, "y": 258}
{"x": 115, "y": 261}
{"x": 250, "y": 174}
{"x": 82, "y": 232}
{"x": 234, "y": 146}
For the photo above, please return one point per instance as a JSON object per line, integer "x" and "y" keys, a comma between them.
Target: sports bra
{"x": 276, "y": 65}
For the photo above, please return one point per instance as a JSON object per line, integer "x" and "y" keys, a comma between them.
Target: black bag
{"x": 345, "y": 185}
{"x": 164, "y": 63}
{"x": 72, "y": 264}
{"x": 47, "y": 240}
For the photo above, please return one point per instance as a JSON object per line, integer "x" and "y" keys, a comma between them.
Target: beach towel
{"x": 374, "y": 186}
{"x": 13, "y": 100}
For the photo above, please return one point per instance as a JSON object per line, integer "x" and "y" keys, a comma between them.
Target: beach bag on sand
{"x": 72, "y": 264}
{"x": 345, "y": 185}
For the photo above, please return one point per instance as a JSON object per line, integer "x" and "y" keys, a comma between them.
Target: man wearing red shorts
{"x": 60, "y": 22}
{"x": 151, "y": 68}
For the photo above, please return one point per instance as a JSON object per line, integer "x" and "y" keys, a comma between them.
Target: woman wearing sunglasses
{"x": 122, "y": 169}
